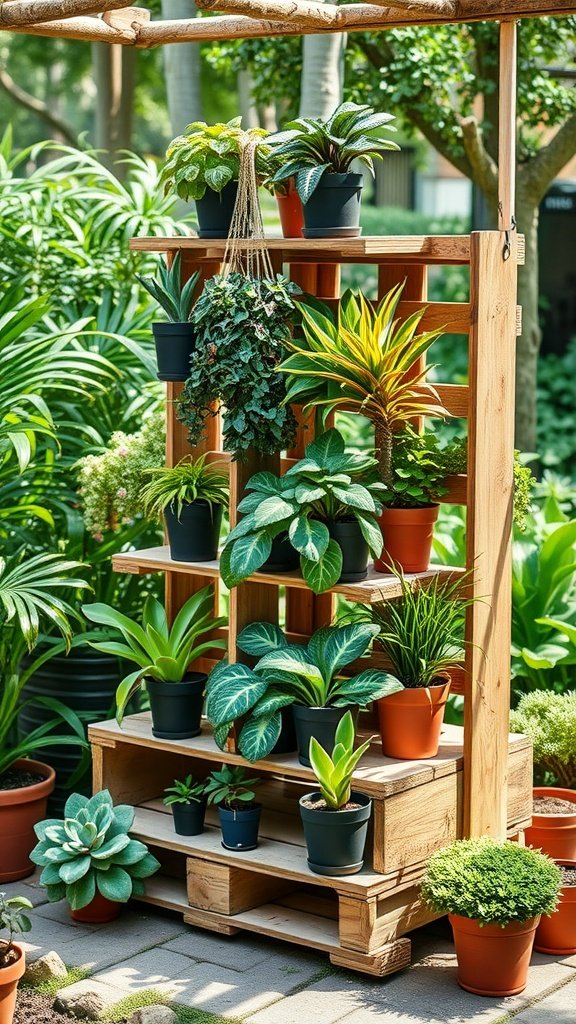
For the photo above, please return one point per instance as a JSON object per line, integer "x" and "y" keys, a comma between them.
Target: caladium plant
{"x": 328, "y": 484}
{"x": 90, "y": 851}
{"x": 289, "y": 674}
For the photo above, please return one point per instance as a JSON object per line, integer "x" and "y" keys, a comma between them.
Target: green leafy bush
{"x": 334, "y": 774}
{"x": 90, "y": 851}
{"x": 206, "y": 156}
{"x": 491, "y": 882}
{"x": 420, "y": 466}
{"x": 549, "y": 719}
{"x": 556, "y": 410}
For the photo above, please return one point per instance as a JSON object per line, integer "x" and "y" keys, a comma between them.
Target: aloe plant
{"x": 334, "y": 773}
{"x": 175, "y": 300}
{"x": 287, "y": 674}
{"x": 90, "y": 851}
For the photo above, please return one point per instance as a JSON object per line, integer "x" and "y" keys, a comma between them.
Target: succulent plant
{"x": 90, "y": 851}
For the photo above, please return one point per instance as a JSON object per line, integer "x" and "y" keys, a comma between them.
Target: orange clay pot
{"x": 20, "y": 810}
{"x": 407, "y": 536}
{"x": 410, "y": 720}
{"x": 557, "y": 934}
{"x": 98, "y": 911}
{"x": 291, "y": 213}
{"x": 493, "y": 961}
{"x": 554, "y": 834}
{"x": 9, "y": 978}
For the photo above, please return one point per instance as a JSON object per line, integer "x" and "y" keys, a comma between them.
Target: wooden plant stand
{"x": 481, "y": 780}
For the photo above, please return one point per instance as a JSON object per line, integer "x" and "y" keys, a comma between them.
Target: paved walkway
{"x": 259, "y": 981}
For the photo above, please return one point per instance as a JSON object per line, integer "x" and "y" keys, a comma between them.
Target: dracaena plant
{"x": 162, "y": 652}
{"x": 206, "y": 156}
{"x": 15, "y": 921}
{"x": 328, "y": 484}
{"x": 365, "y": 360}
{"x": 309, "y": 147}
{"x": 190, "y": 480}
{"x": 90, "y": 852}
{"x": 334, "y": 773}
{"x": 171, "y": 296}
{"x": 287, "y": 674}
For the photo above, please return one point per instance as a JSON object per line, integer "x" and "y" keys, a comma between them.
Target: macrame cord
{"x": 251, "y": 258}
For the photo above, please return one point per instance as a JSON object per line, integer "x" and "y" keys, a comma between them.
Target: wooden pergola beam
{"x": 15, "y": 13}
{"x": 309, "y": 12}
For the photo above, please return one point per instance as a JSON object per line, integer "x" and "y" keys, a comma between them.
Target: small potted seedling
{"x": 230, "y": 789}
{"x": 12, "y": 956}
{"x": 335, "y": 819}
{"x": 174, "y": 339}
{"x": 187, "y": 798}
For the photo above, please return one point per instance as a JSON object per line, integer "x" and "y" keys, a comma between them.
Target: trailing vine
{"x": 242, "y": 326}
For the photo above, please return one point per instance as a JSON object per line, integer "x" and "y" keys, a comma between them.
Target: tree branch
{"x": 541, "y": 169}
{"x": 484, "y": 171}
{"x": 25, "y": 99}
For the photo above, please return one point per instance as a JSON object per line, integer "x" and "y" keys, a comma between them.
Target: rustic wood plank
{"x": 394, "y": 956}
{"x": 228, "y": 888}
{"x": 409, "y": 827}
{"x": 366, "y": 925}
{"x": 277, "y": 922}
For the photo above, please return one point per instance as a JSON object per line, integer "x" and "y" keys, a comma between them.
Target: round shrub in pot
{"x": 175, "y": 338}
{"x": 187, "y": 798}
{"x": 233, "y": 793}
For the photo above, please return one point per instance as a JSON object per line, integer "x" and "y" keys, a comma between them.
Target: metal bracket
{"x": 507, "y": 232}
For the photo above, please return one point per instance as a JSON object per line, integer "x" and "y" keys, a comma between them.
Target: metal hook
{"x": 506, "y": 251}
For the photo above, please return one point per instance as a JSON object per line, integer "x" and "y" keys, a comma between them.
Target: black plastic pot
{"x": 335, "y": 839}
{"x": 283, "y": 557}
{"x": 177, "y": 707}
{"x": 189, "y": 818}
{"x": 194, "y": 536}
{"x": 84, "y": 681}
{"x": 286, "y": 742}
{"x": 174, "y": 346}
{"x": 333, "y": 210}
{"x": 240, "y": 828}
{"x": 214, "y": 211}
{"x": 354, "y": 549}
{"x": 319, "y": 722}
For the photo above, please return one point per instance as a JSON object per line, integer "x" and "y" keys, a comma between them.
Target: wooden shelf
{"x": 377, "y": 587}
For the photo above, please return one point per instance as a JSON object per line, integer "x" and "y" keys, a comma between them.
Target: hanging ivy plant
{"x": 242, "y": 326}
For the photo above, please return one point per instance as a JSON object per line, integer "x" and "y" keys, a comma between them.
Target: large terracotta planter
{"x": 407, "y": 534}
{"x": 556, "y": 934}
{"x": 20, "y": 810}
{"x": 554, "y": 834}
{"x": 9, "y": 978}
{"x": 493, "y": 961}
{"x": 291, "y": 214}
{"x": 410, "y": 721}
{"x": 98, "y": 911}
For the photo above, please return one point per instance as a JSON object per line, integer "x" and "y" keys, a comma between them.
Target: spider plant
{"x": 190, "y": 480}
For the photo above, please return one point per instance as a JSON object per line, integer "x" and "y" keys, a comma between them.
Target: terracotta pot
{"x": 20, "y": 810}
{"x": 291, "y": 214}
{"x": 557, "y": 934}
{"x": 9, "y": 978}
{"x": 98, "y": 911}
{"x": 493, "y": 961}
{"x": 554, "y": 834}
{"x": 410, "y": 720}
{"x": 407, "y": 536}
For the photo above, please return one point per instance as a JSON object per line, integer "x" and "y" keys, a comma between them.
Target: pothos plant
{"x": 243, "y": 325}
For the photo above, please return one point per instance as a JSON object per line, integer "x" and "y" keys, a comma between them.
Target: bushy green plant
{"x": 243, "y": 326}
{"x": 185, "y": 791}
{"x": 491, "y": 882}
{"x": 334, "y": 773}
{"x": 556, "y": 405}
{"x": 310, "y": 147}
{"x": 287, "y": 674}
{"x": 15, "y": 921}
{"x": 231, "y": 787}
{"x": 549, "y": 719}
{"x": 111, "y": 483}
{"x": 175, "y": 299}
{"x": 328, "y": 484}
{"x": 206, "y": 156}
{"x": 90, "y": 851}
{"x": 420, "y": 466}
{"x": 190, "y": 480}
{"x": 161, "y": 651}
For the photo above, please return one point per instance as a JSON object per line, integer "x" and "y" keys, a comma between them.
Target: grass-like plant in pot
{"x": 309, "y": 678}
{"x": 187, "y": 798}
{"x": 175, "y": 338}
{"x": 422, "y": 635}
{"x": 549, "y": 719}
{"x": 335, "y": 819}
{"x": 320, "y": 154}
{"x": 364, "y": 359}
{"x": 90, "y": 859}
{"x": 232, "y": 790}
{"x": 191, "y": 496}
{"x": 204, "y": 165}
{"x": 494, "y": 894}
{"x": 163, "y": 654}
{"x": 328, "y": 504}
{"x": 15, "y": 921}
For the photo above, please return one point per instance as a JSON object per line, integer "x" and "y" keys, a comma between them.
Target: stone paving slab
{"x": 207, "y": 986}
{"x": 27, "y": 887}
{"x": 243, "y": 951}
{"x": 557, "y": 1008}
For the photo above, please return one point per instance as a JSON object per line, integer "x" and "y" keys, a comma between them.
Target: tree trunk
{"x": 322, "y": 74}
{"x": 114, "y": 74}
{"x": 182, "y": 71}
{"x": 529, "y": 342}
{"x": 248, "y": 109}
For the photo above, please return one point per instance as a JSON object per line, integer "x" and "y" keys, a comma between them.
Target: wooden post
{"x": 507, "y": 127}
{"x": 488, "y": 534}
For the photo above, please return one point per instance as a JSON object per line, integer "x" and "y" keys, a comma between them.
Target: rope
{"x": 250, "y": 259}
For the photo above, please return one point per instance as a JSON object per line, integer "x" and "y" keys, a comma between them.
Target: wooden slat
{"x": 507, "y": 126}
{"x": 380, "y": 962}
{"x": 366, "y": 925}
{"x": 456, "y": 398}
{"x": 229, "y": 888}
{"x": 407, "y": 830}
{"x": 277, "y": 922}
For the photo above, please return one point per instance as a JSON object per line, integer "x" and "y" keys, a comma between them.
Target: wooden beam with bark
{"x": 30, "y": 12}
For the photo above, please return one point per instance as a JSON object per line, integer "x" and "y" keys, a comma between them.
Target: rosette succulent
{"x": 90, "y": 851}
